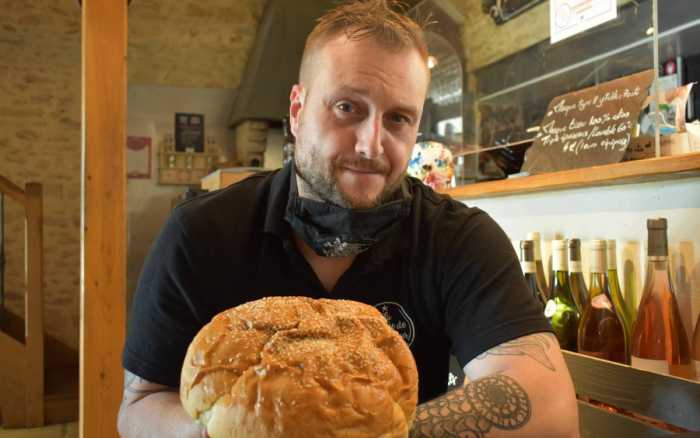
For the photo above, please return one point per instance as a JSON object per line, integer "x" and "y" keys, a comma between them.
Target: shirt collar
{"x": 277, "y": 203}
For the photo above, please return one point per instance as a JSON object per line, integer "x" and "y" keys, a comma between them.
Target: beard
{"x": 318, "y": 179}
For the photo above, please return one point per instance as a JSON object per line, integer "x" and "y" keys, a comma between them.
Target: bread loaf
{"x": 298, "y": 367}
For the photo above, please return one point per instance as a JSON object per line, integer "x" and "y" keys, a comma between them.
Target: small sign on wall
{"x": 138, "y": 157}
{"x": 189, "y": 132}
{"x": 569, "y": 17}
{"x": 589, "y": 127}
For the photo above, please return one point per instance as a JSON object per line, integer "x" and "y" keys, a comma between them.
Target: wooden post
{"x": 34, "y": 307}
{"x": 103, "y": 232}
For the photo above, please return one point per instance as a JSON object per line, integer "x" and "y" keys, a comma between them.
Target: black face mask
{"x": 334, "y": 231}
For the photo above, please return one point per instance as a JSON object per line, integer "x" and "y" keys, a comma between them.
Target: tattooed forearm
{"x": 136, "y": 388}
{"x": 533, "y": 346}
{"x": 472, "y": 411}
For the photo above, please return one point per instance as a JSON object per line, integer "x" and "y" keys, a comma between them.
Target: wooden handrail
{"x": 13, "y": 191}
{"x": 22, "y": 398}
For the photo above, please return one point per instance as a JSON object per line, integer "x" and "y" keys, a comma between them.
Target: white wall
{"x": 616, "y": 212}
{"x": 151, "y": 113}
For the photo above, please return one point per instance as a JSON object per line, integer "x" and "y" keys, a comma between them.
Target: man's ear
{"x": 296, "y": 105}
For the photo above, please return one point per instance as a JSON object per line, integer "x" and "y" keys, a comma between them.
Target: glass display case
{"x": 512, "y": 75}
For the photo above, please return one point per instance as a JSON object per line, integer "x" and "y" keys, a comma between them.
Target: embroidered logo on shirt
{"x": 398, "y": 319}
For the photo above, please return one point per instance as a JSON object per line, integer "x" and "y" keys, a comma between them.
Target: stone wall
{"x": 40, "y": 142}
{"x": 175, "y": 43}
{"x": 485, "y": 42}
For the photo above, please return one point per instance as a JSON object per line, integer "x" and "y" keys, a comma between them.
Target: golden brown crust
{"x": 299, "y": 367}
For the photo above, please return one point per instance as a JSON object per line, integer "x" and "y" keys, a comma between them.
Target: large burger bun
{"x": 298, "y": 367}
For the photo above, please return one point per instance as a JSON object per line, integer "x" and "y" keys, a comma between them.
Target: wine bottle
{"x": 659, "y": 341}
{"x": 601, "y": 333}
{"x": 576, "y": 281}
{"x": 527, "y": 261}
{"x": 537, "y": 245}
{"x": 561, "y": 308}
{"x": 614, "y": 286}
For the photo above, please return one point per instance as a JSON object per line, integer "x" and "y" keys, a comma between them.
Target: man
{"x": 345, "y": 222}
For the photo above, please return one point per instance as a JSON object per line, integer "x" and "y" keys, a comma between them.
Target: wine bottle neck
{"x": 598, "y": 259}
{"x": 529, "y": 267}
{"x": 575, "y": 266}
{"x": 658, "y": 243}
{"x": 611, "y": 255}
{"x": 597, "y": 284}
{"x": 574, "y": 255}
{"x": 559, "y": 260}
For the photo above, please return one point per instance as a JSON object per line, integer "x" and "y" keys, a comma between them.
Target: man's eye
{"x": 399, "y": 119}
{"x": 345, "y": 107}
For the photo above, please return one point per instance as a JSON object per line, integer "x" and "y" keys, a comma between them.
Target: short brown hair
{"x": 384, "y": 21}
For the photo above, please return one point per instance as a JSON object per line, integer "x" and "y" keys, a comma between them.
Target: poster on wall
{"x": 570, "y": 17}
{"x": 138, "y": 157}
{"x": 189, "y": 132}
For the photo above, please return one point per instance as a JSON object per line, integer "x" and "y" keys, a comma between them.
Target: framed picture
{"x": 189, "y": 132}
{"x": 138, "y": 157}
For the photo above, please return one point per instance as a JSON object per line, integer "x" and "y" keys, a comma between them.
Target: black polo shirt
{"x": 447, "y": 279}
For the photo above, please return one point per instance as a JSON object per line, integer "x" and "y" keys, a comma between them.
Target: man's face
{"x": 356, "y": 119}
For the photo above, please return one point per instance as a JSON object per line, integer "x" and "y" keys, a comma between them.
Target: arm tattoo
{"x": 136, "y": 388}
{"x": 472, "y": 411}
{"x": 533, "y": 346}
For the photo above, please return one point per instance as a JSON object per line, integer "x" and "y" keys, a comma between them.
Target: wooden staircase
{"x": 38, "y": 375}
{"x": 61, "y": 375}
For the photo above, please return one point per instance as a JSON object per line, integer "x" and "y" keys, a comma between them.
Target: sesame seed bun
{"x": 298, "y": 367}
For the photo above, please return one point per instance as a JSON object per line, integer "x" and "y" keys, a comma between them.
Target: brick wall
{"x": 40, "y": 142}
{"x": 181, "y": 43}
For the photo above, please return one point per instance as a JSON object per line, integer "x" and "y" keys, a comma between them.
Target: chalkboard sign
{"x": 589, "y": 127}
{"x": 189, "y": 132}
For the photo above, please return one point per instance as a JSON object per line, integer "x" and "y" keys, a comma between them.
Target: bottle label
{"x": 575, "y": 266}
{"x": 528, "y": 267}
{"x": 654, "y": 365}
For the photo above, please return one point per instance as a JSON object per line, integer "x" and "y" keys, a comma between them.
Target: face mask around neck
{"x": 334, "y": 231}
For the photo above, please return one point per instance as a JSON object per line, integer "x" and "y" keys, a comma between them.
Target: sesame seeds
{"x": 282, "y": 355}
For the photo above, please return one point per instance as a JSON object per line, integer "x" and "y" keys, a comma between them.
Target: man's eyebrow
{"x": 348, "y": 89}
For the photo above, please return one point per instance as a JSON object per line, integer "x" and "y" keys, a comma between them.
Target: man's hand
{"x": 514, "y": 387}
{"x": 149, "y": 409}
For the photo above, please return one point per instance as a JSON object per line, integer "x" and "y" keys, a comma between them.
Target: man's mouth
{"x": 363, "y": 170}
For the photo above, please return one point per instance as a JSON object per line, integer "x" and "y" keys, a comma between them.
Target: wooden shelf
{"x": 677, "y": 166}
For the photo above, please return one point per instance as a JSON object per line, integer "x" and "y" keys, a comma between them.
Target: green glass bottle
{"x": 561, "y": 309}
{"x": 615, "y": 289}
{"x": 537, "y": 245}
{"x": 576, "y": 281}
{"x": 527, "y": 262}
{"x": 602, "y": 333}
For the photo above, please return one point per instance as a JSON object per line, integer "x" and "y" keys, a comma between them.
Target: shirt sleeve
{"x": 487, "y": 301}
{"x": 163, "y": 319}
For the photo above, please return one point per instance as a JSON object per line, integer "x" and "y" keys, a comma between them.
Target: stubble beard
{"x": 317, "y": 180}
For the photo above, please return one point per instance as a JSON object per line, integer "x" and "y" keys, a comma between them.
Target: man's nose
{"x": 369, "y": 139}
